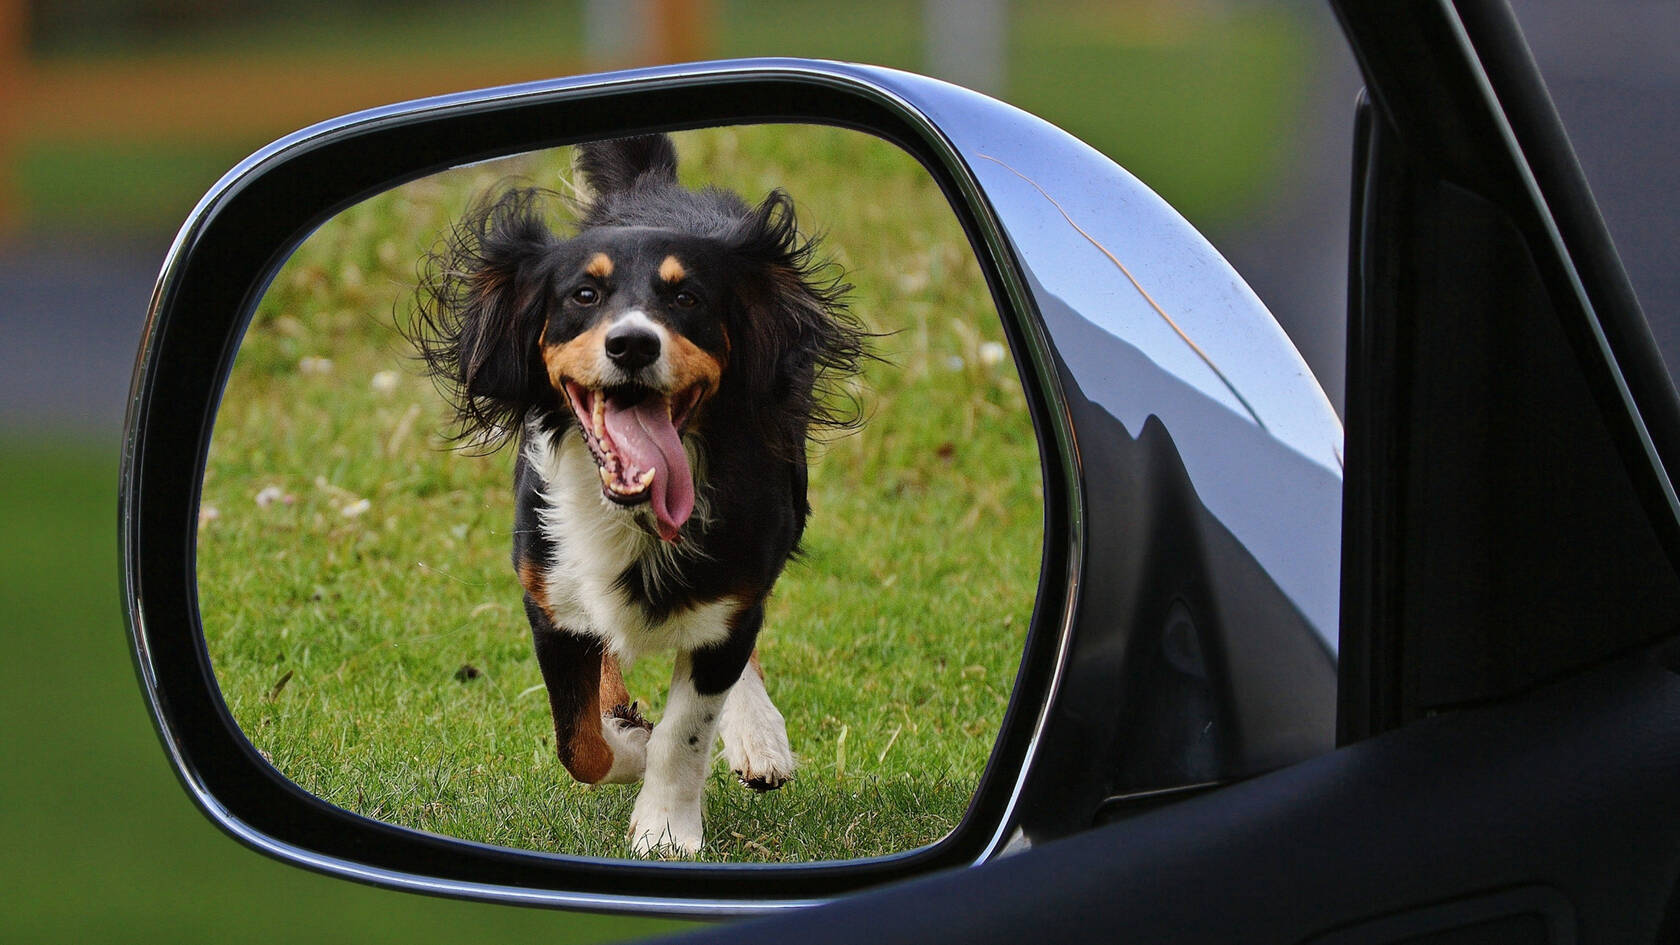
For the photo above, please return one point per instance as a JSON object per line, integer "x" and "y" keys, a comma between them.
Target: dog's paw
{"x": 627, "y": 736}
{"x": 759, "y": 755}
{"x": 755, "y": 745}
{"x": 762, "y": 782}
{"x": 659, "y": 829}
{"x": 766, "y": 777}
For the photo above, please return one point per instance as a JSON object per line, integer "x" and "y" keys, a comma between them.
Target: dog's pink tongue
{"x": 646, "y": 439}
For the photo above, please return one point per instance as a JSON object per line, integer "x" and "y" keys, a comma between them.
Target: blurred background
{"x": 116, "y": 115}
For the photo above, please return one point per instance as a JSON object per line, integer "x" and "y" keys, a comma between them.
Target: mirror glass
{"x": 372, "y": 638}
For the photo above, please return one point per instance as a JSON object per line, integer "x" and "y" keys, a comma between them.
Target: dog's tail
{"x": 620, "y": 164}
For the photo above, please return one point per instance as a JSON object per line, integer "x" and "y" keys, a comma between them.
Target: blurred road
{"x": 71, "y": 313}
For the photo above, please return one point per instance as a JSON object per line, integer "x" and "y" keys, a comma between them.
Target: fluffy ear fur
{"x": 479, "y": 309}
{"x": 805, "y": 343}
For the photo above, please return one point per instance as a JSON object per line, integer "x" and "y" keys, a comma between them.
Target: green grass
{"x": 367, "y": 629}
{"x": 104, "y": 844}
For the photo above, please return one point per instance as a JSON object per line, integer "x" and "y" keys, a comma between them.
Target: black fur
{"x": 804, "y": 341}
{"x": 503, "y": 288}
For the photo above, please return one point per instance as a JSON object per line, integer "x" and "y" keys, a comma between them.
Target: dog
{"x": 663, "y": 372}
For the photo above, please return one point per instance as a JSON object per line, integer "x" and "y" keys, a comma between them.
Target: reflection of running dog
{"x": 662, "y": 371}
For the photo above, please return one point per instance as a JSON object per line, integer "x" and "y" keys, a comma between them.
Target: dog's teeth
{"x": 599, "y": 418}
{"x": 646, "y": 478}
{"x": 606, "y": 477}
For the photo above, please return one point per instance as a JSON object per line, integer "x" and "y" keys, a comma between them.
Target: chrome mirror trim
{"x": 1041, "y": 209}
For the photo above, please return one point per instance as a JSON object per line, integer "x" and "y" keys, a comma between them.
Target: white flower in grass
{"x": 356, "y": 508}
{"x": 991, "y": 353}
{"x": 208, "y": 514}
{"x": 385, "y": 382}
{"x": 309, "y": 364}
{"x": 269, "y": 495}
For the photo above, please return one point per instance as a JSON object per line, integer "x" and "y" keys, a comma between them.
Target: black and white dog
{"x": 662, "y": 372}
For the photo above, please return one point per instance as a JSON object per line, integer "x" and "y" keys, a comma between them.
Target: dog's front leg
{"x": 595, "y": 746}
{"x": 667, "y": 816}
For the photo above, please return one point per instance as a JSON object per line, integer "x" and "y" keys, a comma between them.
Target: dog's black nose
{"x": 632, "y": 346}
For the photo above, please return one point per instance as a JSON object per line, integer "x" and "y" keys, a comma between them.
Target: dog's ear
{"x": 619, "y": 165}
{"x": 796, "y": 342}
{"x": 479, "y": 311}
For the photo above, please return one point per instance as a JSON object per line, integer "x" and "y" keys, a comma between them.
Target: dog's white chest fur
{"x": 595, "y": 542}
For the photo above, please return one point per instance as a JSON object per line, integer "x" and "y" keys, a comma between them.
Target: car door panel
{"x": 1551, "y": 819}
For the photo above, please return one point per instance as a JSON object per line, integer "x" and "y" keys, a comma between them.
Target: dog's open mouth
{"x": 635, "y": 435}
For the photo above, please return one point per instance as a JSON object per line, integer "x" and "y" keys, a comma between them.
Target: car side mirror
{"x": 1183, "y": 625}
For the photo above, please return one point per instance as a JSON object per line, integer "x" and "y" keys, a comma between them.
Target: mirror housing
{"x": 1184, "y": 634}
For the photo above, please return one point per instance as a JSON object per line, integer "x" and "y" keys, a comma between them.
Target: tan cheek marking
{"x": 671, "y": 270}
{"x": 577, "y": 359}
{"x": 691, "y": 364}
{"x": 600, "y": 266}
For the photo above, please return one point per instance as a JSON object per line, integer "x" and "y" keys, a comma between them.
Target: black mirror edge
{"x": 214, "y": 275}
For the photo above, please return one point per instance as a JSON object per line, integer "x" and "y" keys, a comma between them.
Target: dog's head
{"x": 667, "y": 311}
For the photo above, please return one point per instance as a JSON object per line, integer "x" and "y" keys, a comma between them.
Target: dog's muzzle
{"x": 635, "y": 435}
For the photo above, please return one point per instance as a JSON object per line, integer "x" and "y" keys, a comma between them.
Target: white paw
{"x": 660, "y": 828}
{"x": 628, "y": 742}
{"x": 755, "y": 741}
{"x": 760, "y": 757}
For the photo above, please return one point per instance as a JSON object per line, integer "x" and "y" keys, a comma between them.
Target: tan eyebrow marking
{"x": 671, "y": 270}
{"x": 600, "y": 266}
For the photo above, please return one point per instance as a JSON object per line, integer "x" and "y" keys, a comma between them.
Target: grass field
{"x": 367, "y": 628}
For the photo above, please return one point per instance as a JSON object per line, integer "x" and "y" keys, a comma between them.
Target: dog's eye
{"x": 685, "y": 300}
{"x": 586, "y": 295}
